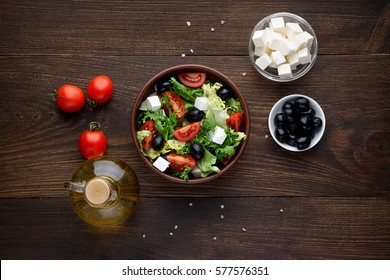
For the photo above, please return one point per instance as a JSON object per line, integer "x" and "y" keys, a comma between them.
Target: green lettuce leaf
{"x": 188, "y": 94}
{"x": 207, "y": 164}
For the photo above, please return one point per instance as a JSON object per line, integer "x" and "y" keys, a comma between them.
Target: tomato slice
{"x": 176, "y": 104}
{"x": 192, "y": 80}
{"x": 186, "y": 133}
{"x": 147, "y": 141}
{"x": 179, "y": 162}
{"x": 234, "y": 121}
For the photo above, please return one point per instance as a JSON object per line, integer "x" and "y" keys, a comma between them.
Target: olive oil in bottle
{"x": 104, "y": 191}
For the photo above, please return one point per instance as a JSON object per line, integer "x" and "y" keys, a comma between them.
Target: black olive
{"x": 302, "y": 104}
{"x": 291, "y": 139}
{"x": 279, "y": 120}
{"x": 287, "y": 105}
{"x": 197, "y": 151}
{"x": 280, "y": 134}
{"x": 305, "y": 120}
{"x": 311, "y": 112}
{"x": 317, "y": 123}
{"x": 292, "y": 127}
{"x": 194, "y": 115}
{"x": 303, "y": 142}
{"x": 164, "y": 86}
{"x": 158, "y": 142}
{"x": 224, "y": 93}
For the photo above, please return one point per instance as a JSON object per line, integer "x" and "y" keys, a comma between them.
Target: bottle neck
{"x": 100, "y": 192}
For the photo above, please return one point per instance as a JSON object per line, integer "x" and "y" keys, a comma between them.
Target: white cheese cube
{"x": 273, "y": 65}
{"x": 284, "y": 71}
{"x": 260, "y": 38}
{"x": 264, "y": 61}
{"x": 285, "y": 47}
{"x": 161, "y": 164}
{"x": 304, "y": 56}
{"x": 275, "y": 40}
{"x": 292, "y": 29}
{"x": 201, "y": 103}
{"x": 259, "y": 51}
{"x": 277, "y": 24}
{"x": 293, "y": 60}
{"x": 196, "y": 172}
{"x": 277, "y": 57}
{"x": 153, "y": 103}
{"x": 218, "y": 135}
{"x": 302, "y": 40}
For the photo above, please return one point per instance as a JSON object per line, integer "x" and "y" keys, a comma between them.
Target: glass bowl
{"x": 272, "y": 73}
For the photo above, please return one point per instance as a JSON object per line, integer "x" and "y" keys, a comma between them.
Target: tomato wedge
{"x": 176, "y": 104}
{"x": 179, "y": 162}
{"x": 192, "y": 80}
{"x": 147, "y": 141}
{"x": 234, "y": 121}
{"x": 186, "y": 133}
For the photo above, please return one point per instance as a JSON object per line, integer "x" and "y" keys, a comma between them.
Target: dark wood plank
{"x": 274, "y": 228}
{"x": 39, "y": 144}
{"x": 155, "y": 28}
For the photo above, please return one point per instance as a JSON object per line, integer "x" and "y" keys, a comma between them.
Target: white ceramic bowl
{"x": 301, "y": 70}
{"x": 277, "y": 108}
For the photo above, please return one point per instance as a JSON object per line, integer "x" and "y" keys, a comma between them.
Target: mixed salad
{"x": 190, "y": 127}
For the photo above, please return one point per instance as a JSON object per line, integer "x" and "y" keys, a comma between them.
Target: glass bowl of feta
{"x": 283, "y": 47}
{"x": 190, "y": 123}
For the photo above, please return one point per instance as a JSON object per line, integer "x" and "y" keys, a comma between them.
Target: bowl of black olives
{"x": 190, "y": 123}
{"x": 296, "y": 122}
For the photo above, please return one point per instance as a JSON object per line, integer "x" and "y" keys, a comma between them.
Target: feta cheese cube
{"x": 275, "y": 40}
{"x": 196, "y": 172}
{"x": 219, "y": 135}
{"x": 302, "y": 40}
{"x": 263, "y": 61}
{"x": 277, "y": 24}
{"x": 260, "y": 38}
{"x": 293, "y": 60}
{"x": 153, "y": 103}
{"x": 278, "y": 58}
{"x": 201, "y": 103}
{"x": 285, "y": 47}
{"x": 304, "y": 56}
{"x": 284, "y": 71}
{"x": 161, "y": 164}
{"x": 292, "y": 29}
{"x": 259, "y": 51}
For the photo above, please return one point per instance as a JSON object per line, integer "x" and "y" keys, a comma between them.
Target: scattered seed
{"x": 212, "y": 29}
{"x": 171, "y": 233}
{"x": 222, "y": 216}
{"x": 176, "y": 226}
{"x": 183, "y": 55}
{"x": 222, "y": 206}
{"x": 244, "y": 74}
{"x": 190, "y": 204}
{"x": 266, "y": 136}
{"x": 191, "y": 50}
{"x": 244, "y": 229}
{"x": 223, "y": 22}
{"x": 215, "y": 238}
{"x": 143, "y": 235}
{"x": 281, "y": 210}
{"x": 188, "y": 23}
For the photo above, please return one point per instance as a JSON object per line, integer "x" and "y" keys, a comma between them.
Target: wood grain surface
{"x": 332, "y": 202}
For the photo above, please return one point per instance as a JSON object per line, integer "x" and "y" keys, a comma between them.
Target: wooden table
{"x": 332, "y": 202}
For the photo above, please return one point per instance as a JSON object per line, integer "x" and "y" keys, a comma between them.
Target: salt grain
{"x": 215, "y": 238}
{"x": 188, "y": 23}
{"x": 244, "y": 229}
{"x": 212, "y": 29}
{"x": 281, "y": 210}
{"x": 223, "y": 22}
{"x": 266, "y": 136}
{"x": 191, "y": 50}
{"x": 183, "y": 55}
{"x": 222, "y": 216}
{"x": 176, "y": 226}
{"x": 171, "y": 233}
{"x": 143, "y": 235}
{"x": 190, "y": 204}
{"x": 222, "y": 206}
{"x": 244, "y": 74}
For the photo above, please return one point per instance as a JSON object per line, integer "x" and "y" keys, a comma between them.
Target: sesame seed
{"x": 281, "y": 210}
{"x": 171, "y": 233}
{"x": 215, "y": 238}
{"x": 244, "y": 74}
{"x": 266, "y": 136}
{"x": 244, "y": 229}
{"x": 143, "y": 235}
{"x": 188, "y": 23}
{"x": 191, "y": 50}
{"x": 212, "y": 29}
{"x": 223, "y": 22}
{"x": 222, "y": 206}
{"x": 183, "y": 55}
{"x": 176, "y": 226}
{"x": 190, "y": 204}
{"x": 222, "y": 216}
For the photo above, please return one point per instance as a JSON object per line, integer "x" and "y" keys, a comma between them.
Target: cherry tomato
{"x": 176, "y": 104}
{"x": 69, "y": 98}
{"x": 186, "y": 133}
{"x": 147, "y": 141}
{"x": 100, "y": 89}
{"x": 92, "y": 142}
{"x": 179, "y": 162}
{"x": 192, "y": 80}
{"x": 234, "y": 121}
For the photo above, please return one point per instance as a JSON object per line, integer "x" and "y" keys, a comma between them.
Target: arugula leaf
{"x": 188, "y": 94}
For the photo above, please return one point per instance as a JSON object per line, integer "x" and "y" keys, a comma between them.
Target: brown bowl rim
{"x": 190, "y": 68}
